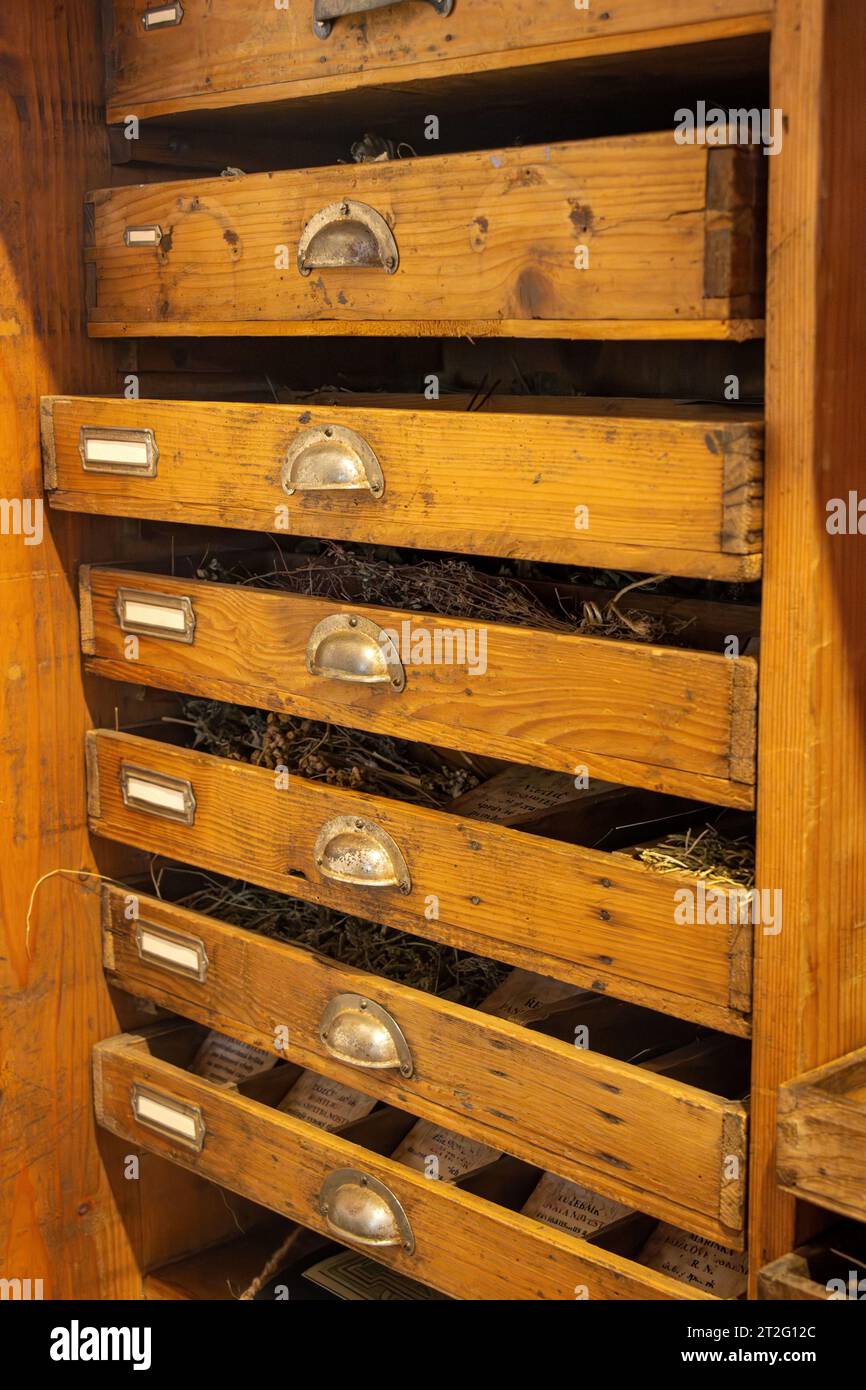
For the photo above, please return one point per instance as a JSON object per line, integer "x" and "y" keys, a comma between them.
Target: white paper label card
{"x": 442, "y": 1154}
{"x": 572, "y": 1208}
{"x": 325, "y": 1103}
{"x": 223, "y": 1059}
{"x": 696, "y": 1261}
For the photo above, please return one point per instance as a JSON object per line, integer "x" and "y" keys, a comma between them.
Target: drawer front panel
{"x": 601, "y": 921}
{"x": 463, "y": 1245}
{"x": 533, "y": 1096}
{"x": 666, "y": 719}
{"x": 674, "y": 495}
{"x": 631, "y": 229}
{"x": 229, "y": 54}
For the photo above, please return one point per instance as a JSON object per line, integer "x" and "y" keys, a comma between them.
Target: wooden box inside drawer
{"x": 599, "y": 920}
{"x": 664, "y": 718}
{"x": 468, "y": 1245}
{"x": 634, "y": 232}
{"x": 638, "y": 485}
{"x": 831, "y": 1268}
{"x": 189, "y": 55}
{"x": 664, "y": 1138}
{"x": 821, "y": 1135}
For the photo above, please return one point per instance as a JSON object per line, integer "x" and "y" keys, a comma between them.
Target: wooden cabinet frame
{"x": 810, "y": 992}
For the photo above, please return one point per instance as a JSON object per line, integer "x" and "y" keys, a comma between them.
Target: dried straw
{"x": 407, "y": 960}
{"x": 325, "y": 753}
{"x": 450, "y": 587}
{"x": 719, "y": 861}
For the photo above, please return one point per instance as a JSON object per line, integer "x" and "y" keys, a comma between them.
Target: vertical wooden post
{"x": 810, "y": 985}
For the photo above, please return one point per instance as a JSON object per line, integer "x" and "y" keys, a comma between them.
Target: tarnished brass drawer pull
{"x": 347, "y": 234}
{"x": 331, "y": 458}
{"x": 326, "y": 11}
{"x": 359, "y": 1208}
{"x": 360, "y": 1032}
{"x": 347, "y": 647}
{"x": 173, "y": 1118}
{"x": 350, "y": 849}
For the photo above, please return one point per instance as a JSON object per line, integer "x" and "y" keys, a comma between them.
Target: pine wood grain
{"x": 811, "y": 979}
{"x": 821, "y": 1136}
{"x": 599, "y": 920}
{"x": 465, "y": 1245}
{"x": 678, "y": 493}
{"x": 480, "y": 236}
{"x": 60, "y": 1220}
{"x": 245, "y": 52}
{"x": 664, "y": 718}
{"x": 533, "y": 1096}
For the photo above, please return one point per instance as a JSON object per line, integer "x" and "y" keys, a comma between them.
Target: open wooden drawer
{"x": 638, "y": 485}
{"x": 467, "y": 1243}
{"x": 601, "y": 920}
{"x": 188, "y": 55}
{"x": 662, "y": 1136}
{"x": 638, "y": 231}
{"x": 669, "y": 719}
{"x": 821, "y": 1135}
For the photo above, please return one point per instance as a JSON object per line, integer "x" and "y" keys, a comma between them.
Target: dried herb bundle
{"x": 719, "y": 861}
{"x": 325, "y": 753}
{"x": 408, "y": 960}
{"x": 450, "y": 587}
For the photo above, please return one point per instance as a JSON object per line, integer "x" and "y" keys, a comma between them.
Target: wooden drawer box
{"x": 600, "y": 920}
{"x": 664, "y": 718}
{"x": 195, "y": 56}
{"x": 828, "y": 1269}
{"x": 821, "y": 1136}
{"x": 506, "y": 1085}
{"x": 666, "y": 487}
{"x": 631, "y": 235}
{"x": 453, "y": 1239}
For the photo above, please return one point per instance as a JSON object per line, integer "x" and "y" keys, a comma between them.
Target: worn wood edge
{"x": 742, "y": 492}
{"x": 817, "y": 1077}
{"x": 744, "y": 719}
{"x": 741, "y": 945}
{"x": 732, "y": 1195}
{"x": 671, "y": 36}
{"x": 789, "y": 1278}
{"x": 46, "y": 435}
{"x": 91, "y": 763}
{"x": 723, "y": 566}
{"x": 85, "y": 610}
{"x": 701, "y": 330}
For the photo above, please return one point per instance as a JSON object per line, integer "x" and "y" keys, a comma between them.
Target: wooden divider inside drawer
{"x": 821, "y": 1135}
{"x": 191, "y": 56}
{"x": 637, "y": 1135}
{"x": 600, "y": 920}
{"x": 663, "y": 718}
{"x": 665, "y": 487}
{"x": 459, "y": 1242}
{"x": 632, "y": 235}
